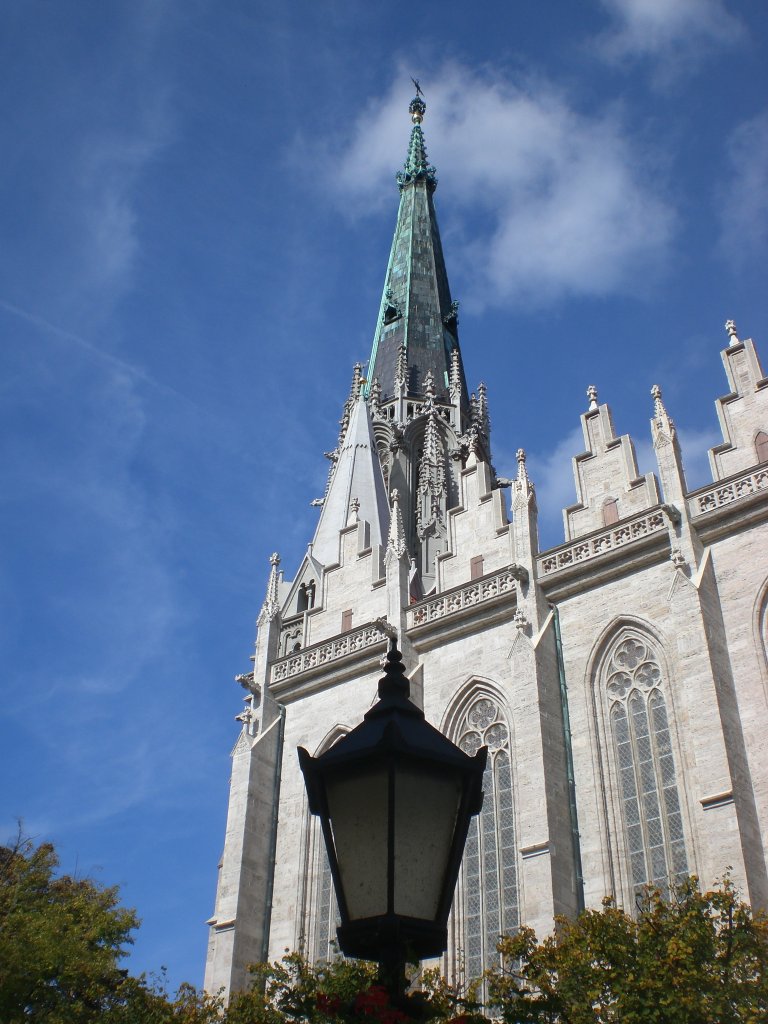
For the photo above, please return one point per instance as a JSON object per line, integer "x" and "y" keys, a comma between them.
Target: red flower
{"x": 372, "y": 1001}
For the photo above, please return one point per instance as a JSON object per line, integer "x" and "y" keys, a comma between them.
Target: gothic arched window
{"x": 647, "y": 781}
{"x": 761, "y": 446}
{"x": 489, "y": 869}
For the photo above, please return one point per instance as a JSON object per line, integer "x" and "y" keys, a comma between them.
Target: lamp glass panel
{"x": 358, "y": 811}
{"x": 426, "y": 807}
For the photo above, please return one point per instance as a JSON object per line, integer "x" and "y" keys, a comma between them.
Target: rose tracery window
{"x": 650, "y": 803}
{"x": 489, "y": 872}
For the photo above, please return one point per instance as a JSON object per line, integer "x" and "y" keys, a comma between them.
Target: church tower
{"x": 619, "y": 680}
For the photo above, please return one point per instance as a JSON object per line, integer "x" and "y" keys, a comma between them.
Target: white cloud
{"x": 676, "y": 31}
{"x": 547, "y": 201}
{"x": 744, "y": 200}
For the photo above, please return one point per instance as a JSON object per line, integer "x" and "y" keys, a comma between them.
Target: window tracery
{"x": 489, "y": 869}
{"x": 648, "y": 792}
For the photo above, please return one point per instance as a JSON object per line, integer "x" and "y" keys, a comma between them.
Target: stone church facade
{"x": 619, "y": 680}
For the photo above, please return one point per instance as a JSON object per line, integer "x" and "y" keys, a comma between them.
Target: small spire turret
{"x": 592, "y": 396}
{"x": 271, "y": 605}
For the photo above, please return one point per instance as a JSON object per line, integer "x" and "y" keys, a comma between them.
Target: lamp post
{"x": 394, "y": 798}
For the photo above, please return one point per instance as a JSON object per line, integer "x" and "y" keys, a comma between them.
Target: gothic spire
{"x": 417, "y": 330}
{"x": 356, "y": 484}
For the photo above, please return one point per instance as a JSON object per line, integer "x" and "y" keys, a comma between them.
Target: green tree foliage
{"x": 694, "y": 958}
{"x": 61, "y": 939}
{"x": 61, "y": 943}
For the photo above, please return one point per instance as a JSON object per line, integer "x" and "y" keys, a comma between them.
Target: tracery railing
{"x": 466, "y": 596}
{"x": 325, "y": 653}
{"x": 724, "y": 493}
{"x": 607, "y": 540}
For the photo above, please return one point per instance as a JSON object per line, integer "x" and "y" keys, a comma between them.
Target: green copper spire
{"x": 418, "y": 320}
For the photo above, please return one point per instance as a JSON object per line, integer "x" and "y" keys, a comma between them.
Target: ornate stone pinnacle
{"x": 429, "y": 387}
{"x": 271, "y": 606}
{"x": 375, "y": 396}
{"x": 592, "y": 396}
{"x": 522, "y": 472}
{"x": 455, "y": 375}
{"x": 660, "y": 414}
{"x": 396, "y": 540}
{"x": 401, "y": 373}
{"x": 354, "y": 509}
{"x": 521, "y": 622}
{"x": 730, "y": 327}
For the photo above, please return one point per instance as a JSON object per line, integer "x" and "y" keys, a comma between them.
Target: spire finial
{"x": 417, "y": 166}
{"x": 417, "y": 106}
{"x": 522, "y": 472}
{"x": 733, "y": 338}
{"x": 592, "y": 396}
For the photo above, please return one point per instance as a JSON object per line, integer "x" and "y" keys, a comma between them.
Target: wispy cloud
{"x": 744, "y": 198}
{"x": 88, "y": 347}
{"x": 675, "y": 32}
{"x": 109, "y": 168}
{"x": 547, "y": 201}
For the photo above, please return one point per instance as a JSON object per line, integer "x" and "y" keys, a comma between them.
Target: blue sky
{"x": 196, "y": 209}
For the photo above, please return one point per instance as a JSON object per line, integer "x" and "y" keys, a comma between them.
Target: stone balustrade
{"x": 724, "y": 493}
{"x": 327, "y": 652}
{"x": 586, "y": 548}
{"x": 466, "y": 596}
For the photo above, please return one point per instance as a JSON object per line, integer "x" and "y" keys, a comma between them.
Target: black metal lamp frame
{"x": 394, "y": 733}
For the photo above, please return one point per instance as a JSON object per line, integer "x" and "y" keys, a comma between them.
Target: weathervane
{"x": 417, "y": 105}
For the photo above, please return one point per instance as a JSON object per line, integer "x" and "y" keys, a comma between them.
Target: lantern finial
{"x": 394, "y": 682}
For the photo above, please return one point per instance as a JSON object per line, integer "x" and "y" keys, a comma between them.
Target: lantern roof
{"x": 396, "y": 725}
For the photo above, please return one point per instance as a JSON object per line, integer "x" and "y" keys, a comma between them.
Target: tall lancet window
{"x": 326, "y": 909}
{"x": 321, "y": 911}
{"x": 489, "y": 870}
{"x": 648, "y": 793}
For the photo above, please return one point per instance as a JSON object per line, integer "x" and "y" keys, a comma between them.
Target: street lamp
{"x": 394, "y": 797}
